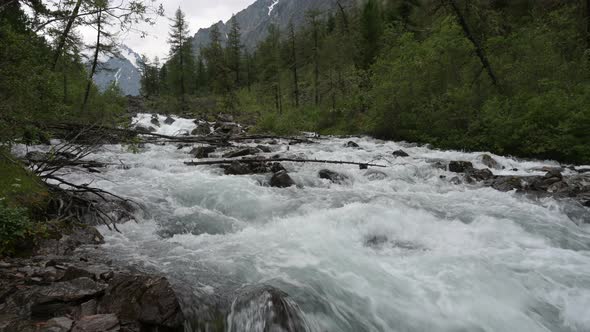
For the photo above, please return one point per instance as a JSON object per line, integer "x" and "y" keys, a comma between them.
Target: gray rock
{"x": 145, "y": 299}
{"x": 265, "y": 308}
{"x": 73, "y": 272}
{"x": 455, "y": 180}
{"x": 59, "y": 324}
{"x": 97, "y": 323}
{"x": 508, "y": 183}
{"x": 276, "y": 167}
{"x": 264, "y": 148}
{"x": 351, "y": 144}
{"x": 490, "y": 162}
{"x": 456, "y": 166}
{"x": 169, "y": 121}
{"x": 155, "y": 121}
{"x": 88, "y": 308}
{"x": 479, "y": 174}
{"x": 201, "y": 130}
{"x": 281, "y": 179}
{"x": 400, "y": 153}
{"x": 240, "y": 168}
{"x": 334, "y": 177}
{"x": 202, "y": 151}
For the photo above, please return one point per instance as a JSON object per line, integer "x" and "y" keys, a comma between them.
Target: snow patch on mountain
{"x": 272, "y": 6}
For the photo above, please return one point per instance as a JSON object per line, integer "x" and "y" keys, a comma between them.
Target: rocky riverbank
{"x": 62, "y": 288}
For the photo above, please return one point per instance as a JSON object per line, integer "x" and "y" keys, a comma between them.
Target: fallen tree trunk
{"x": 250, "y": 160}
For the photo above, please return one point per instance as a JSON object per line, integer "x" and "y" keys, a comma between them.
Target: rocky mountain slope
{"x": 124, "y": 69}
{"x": 255, "y": 20}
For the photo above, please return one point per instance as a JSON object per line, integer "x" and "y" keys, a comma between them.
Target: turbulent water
{"x": 391, "y": 249}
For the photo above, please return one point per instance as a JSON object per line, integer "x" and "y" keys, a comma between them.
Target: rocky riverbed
{"x": 435, "y": 240}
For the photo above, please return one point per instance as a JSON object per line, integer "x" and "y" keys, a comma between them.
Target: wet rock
{"x": 201, "y": 130}
{"x": 59, "y": 324}
{"x": 241, "y": 153}
{"x": 281, "y": 179}
{"x": 455, "y": 180}
{"x": 73, "y": 272}
{"x": 88, "y": 308}
{"x": 202, "y": 151}
{"x": 144, "y": 129}
{"x": 400, "y": 153}
{"x": 264, "y": 148}
{"x": 144, "y": 299}
{"x": 334, "y": 177}
{"x": 507, "y": 183}
{"x": 351, "y": 144}
{"x": 276, "y": 167}
{"x": 169, "y": 121}
{"x": 376, "y": 240}
{"x": 227, "y": 128}
{"x": 456, "y": 166}
{"x": 375, "y": 175}
{"x": 490, "y": 162}
{"x": 97, "y": 323}
{"x": 155, "y": 121}
{"x": 240, "y": 168}
{"x": 237, "y": 168}
{"x": 479, "y": 174}
{"x": 265, "y": 308}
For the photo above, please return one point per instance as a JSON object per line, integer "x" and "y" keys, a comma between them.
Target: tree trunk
{"x": 478, "y": 49}
{"x": 588, "y": 27}
{"x": 344, "y": 17}
{"x": 94, "y": 62}
{"x": 294, "y": 69}
{"x": 316, "y": 70}
{"x": 65, "y": 34}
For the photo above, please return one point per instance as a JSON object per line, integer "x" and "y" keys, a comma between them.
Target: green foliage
{"x": 16, "y": 230}
{"x": 414, "y": 70}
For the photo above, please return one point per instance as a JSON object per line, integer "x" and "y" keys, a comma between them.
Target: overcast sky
{"x": 199, "y": 14}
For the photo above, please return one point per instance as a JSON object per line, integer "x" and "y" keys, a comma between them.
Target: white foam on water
{"x": 400, "y": 250}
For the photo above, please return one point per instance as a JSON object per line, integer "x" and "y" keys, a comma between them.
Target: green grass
{"x": 19, "y": 188}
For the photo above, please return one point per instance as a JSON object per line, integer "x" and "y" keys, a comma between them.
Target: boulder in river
{"x": 489, "y": 162}
{"x": 352, "y": 144}
{"x": 155, "y": 121}
{"x": 169, "y": 121}
{"x": 241, "y": 153}
{"x": 227, "y": 128}
{"x": 241, "y": 168}
{"x": 508, "y": 183}
{"x": 265, "y": 308}
{"x": 334, "y": 177}
{"x": 281, "y": 179}
{"x": 457, "y": 166}
{"x": 148, "y": 300}
{"x": 264, "y": 148}
{"x": 400, "y": 153}
{"x": 201, "y": 130}
{"x": 276, "y": 167}
{"x": 202, "y": 151}
{"x": 479, "y": 174}
{"x": 144, "y": 129}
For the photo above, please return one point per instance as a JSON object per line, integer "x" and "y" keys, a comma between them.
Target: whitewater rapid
{"x": 392, "y": 249}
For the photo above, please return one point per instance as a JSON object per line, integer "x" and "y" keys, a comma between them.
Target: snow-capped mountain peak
{"x": 124, "y": 69}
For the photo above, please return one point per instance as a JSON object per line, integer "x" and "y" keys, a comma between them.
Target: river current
{"x": 390, "y": 249}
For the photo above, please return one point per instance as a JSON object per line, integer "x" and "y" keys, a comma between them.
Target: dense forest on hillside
{"x": 512, "y": 77}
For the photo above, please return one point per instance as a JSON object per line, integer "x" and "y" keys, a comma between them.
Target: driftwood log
{"x": 265, "y": 160}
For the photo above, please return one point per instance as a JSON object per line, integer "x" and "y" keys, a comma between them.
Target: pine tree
{"x": 178, "y": 40}
{"x": 234, "y": 50}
